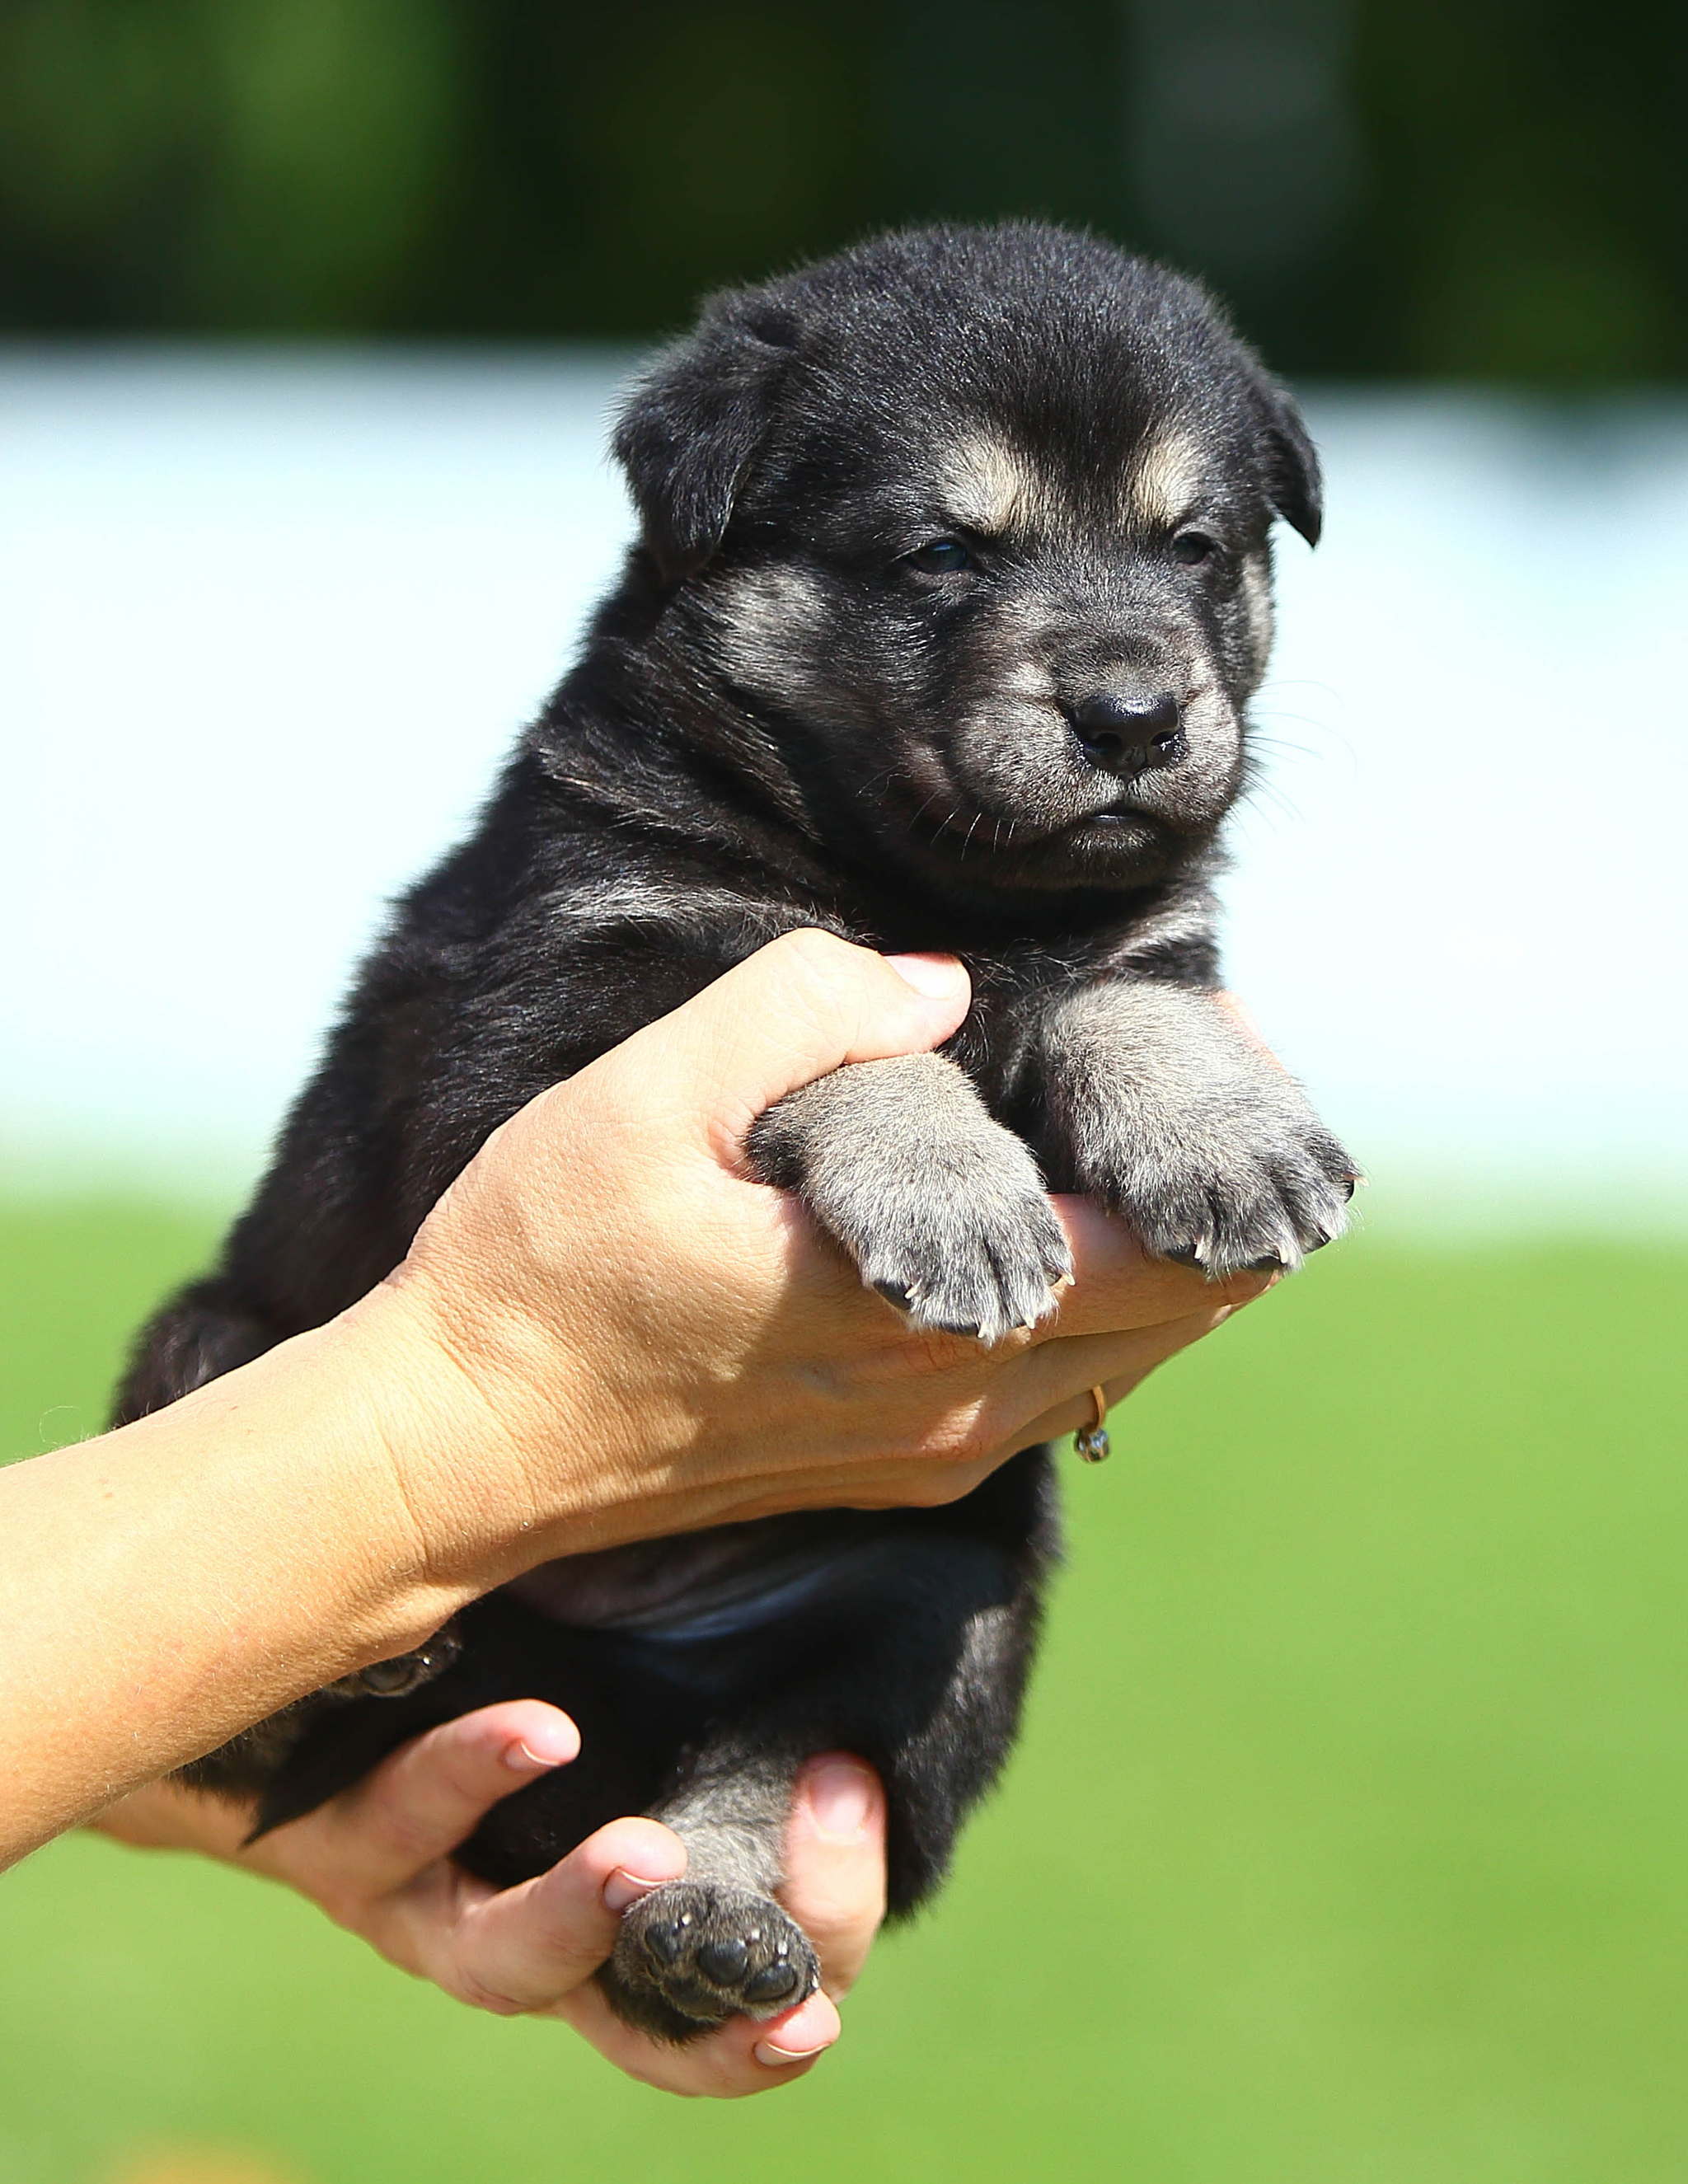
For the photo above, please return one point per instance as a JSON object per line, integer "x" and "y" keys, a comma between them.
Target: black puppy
{"x": 953, "y": 584}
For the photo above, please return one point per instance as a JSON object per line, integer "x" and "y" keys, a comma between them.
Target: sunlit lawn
{"x": 1348, "y": 1842}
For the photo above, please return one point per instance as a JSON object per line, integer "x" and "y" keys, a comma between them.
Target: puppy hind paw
{"x": 691, "y": 1954}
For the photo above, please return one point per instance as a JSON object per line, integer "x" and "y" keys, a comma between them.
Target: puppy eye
{"x": 1191, "y": 547}
{"x": 941, "y": 558}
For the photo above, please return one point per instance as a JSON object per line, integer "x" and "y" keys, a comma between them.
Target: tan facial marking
{"x": 1161, "y": 486}
{"x": 1258, "y": 602}
{"x": 988, "y": 487}
{"x": 770, "y": 622}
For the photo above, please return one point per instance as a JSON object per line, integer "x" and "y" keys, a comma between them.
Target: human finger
{"x": 1118, "y": 1285}
{"x": 1066, "y": 1372}
{"x": 835, "y": 1865}
{"x": 723, "y": 2065}
{"x": 797, "y": 1008}
{"x": 522, "y": 1949}
{"x": 1044, "y": 1394}
{"x": 418, "y": 1805}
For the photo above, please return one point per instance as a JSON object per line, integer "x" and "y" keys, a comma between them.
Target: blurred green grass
{"x": 1347, "y": 1843}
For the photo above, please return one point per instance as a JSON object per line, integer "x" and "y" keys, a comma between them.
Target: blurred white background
{"x": 268, "y": 622}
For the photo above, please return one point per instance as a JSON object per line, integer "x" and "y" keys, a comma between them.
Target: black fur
{"x": 952, "y": 592}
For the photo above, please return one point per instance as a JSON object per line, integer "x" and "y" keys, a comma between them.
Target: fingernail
{"x": 841, "y": 1799}
{"x": 939, "y": 977}
{"x": 534, "y": 1753}
{"x": 776, "y": 2058}
{"x": 623, "y": 1888}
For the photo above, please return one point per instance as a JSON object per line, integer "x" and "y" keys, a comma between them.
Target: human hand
{"x": 641, "y": 1339}
{"x": 605, "y": 1331}
{"x": 377, "y": 1860}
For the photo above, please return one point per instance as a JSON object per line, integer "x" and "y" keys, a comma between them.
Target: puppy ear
{"x": 1294, "y": 483}
{"x": 692, "y": 425}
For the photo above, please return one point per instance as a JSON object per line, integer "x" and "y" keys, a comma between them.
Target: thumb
{"x": 835, "y": 1863}
{"x": 795, "y": 1011}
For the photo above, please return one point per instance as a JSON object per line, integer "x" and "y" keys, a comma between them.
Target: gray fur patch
{"x": 771, "y": 622}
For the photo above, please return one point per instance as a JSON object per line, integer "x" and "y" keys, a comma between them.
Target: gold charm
{"x": 1091, "y": 1441}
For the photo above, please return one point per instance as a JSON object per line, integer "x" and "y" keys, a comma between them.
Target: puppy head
{"x": 975, "y": 522}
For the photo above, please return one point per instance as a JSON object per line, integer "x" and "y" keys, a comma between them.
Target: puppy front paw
{"x": 978, "y": 1252}
{"x": 943, "y": 1210}
{"x": 1207, "y": 1148}
{"x": 691, "y": 1954}
{"x": 1260, "y": 1195}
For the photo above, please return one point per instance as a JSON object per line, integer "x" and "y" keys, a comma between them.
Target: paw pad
{"x": 691, "y": 1954}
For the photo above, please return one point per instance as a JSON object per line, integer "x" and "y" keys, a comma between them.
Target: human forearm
{"x": 168, "y": 1584}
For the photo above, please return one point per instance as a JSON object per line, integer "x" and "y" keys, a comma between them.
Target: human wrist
{"x": 470, "y": 1400}
{"x": 299, "y": 1447}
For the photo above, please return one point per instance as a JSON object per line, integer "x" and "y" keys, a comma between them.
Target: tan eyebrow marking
{"x": 990, "y": 486}
{"x": 1162, "y": 484}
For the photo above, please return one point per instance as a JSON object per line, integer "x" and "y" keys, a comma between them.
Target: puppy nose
{"x": 1130, "y": 735}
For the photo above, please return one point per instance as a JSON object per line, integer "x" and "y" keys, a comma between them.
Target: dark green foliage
{"x": 1345, "y": 1842}
{"x": 1481, "y": 188}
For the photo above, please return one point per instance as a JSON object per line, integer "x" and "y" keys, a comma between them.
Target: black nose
{"x": 1130, "y": 735}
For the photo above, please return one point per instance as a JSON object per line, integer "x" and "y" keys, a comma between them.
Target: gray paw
{"x": 692, "y": 1954}
{"x": 1261, "y": 1197}
{"x": 975, "y": 1253}
{"x": 942, "y": 1209}
{"x": 1209, "y": 1151}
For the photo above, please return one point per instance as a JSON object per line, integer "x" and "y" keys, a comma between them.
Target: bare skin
{"x": 604, "y": 1332}
{"x": 377, "y": 1861}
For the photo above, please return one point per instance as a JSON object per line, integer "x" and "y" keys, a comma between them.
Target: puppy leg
{"x": 1155, "y": 1103}
{"x": 919, "y": 1668}
{"x": 716, "y": 1945}
{"x": 942, "y": 1208}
